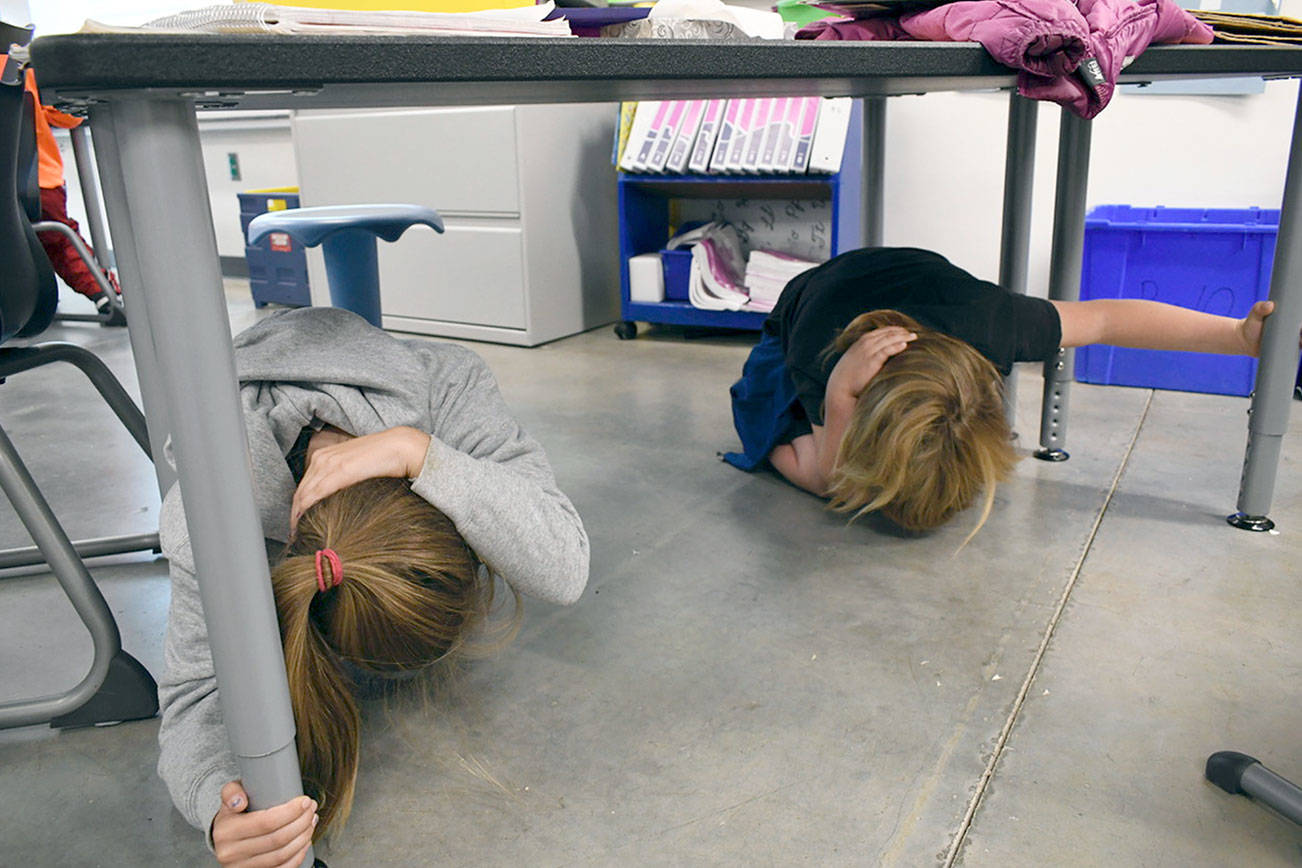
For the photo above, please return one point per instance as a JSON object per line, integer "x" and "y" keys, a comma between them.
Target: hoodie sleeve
{"x": 195, "y": 758}
{"x": 493, "y": 480}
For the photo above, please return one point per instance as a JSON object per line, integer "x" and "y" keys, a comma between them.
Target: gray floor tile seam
{"x": 643, "y": 841}
{"x": 956, "y": 845}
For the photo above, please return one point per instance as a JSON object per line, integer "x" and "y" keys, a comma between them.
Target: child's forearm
{"x": 1151, "y": 325}
{"x": 797, "y": 461}
{"x": 837, "y": 410}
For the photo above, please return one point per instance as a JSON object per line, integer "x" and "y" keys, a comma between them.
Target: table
{"x": 141, "y": 93}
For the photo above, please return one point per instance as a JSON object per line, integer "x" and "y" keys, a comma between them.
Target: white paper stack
{"x": 767, "y": 273}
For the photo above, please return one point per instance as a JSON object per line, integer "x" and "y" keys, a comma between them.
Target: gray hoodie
{"x": 489, "y": 477}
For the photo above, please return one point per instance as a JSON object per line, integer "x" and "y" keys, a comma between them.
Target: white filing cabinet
{"x": 527, "y": 194}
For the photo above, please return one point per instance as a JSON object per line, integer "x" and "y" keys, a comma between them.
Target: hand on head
{"x": 337, "y": 460}
{"x": 275, "y": 837}
{"x": 865, "y": 358}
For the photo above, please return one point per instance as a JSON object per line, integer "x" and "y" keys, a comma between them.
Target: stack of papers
{"x": 268, "y": 18}
{"x": 767, "y": 274}
{"x": 722, "y": 278}
{"x": 718, "y": 262}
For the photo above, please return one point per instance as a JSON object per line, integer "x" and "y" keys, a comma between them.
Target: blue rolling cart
{"x": 646, "y": 223}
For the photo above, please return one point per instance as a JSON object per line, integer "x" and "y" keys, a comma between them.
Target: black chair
{"x": 117, "y": 687}
{"x": 111, "y": 313}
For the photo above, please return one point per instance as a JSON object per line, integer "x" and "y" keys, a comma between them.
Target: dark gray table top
{"x": 265, "y": 71}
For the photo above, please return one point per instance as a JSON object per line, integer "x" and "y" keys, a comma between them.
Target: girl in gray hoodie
{"x": 411, "y": 487}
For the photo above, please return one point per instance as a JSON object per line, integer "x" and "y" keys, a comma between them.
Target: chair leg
{"x": 92, "y": 264}
{"x": 14, "y": 360}
{"x": 353, "y": 272}
{"x": 131, "y": 694}
{"x": 90, "y": 548}
{"x": 1240, "y": 774}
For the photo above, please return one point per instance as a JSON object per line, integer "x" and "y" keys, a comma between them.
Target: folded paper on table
{"x": 269, "y": 18}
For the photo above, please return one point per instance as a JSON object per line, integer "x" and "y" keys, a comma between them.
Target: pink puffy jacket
{"x": 1049, "y": 42}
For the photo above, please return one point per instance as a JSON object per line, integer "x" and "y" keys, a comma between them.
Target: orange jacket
{"x": 50, "y": 171}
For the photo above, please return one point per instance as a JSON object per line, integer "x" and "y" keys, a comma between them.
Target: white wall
{"x": 262, "y": 139}
{"x": 944, "y": 164}
{"x": 264, "y": 144}
{"x": 265, "y": 147}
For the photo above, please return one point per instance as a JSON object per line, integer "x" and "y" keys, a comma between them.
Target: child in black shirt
{"x": 876, "y": 382}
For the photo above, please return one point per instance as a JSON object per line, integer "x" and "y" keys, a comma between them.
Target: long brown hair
{"x": 411, "y": 593}
{"x": 927, "y": 435}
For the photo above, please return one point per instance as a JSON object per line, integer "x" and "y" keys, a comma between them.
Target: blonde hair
{"x": 927, "y": 435}
{"x": 412, "y": 591}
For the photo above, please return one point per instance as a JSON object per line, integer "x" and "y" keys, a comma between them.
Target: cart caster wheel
{"x": 626, "y": 330}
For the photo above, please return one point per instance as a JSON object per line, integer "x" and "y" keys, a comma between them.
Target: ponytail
{"x": 326, "y": 717}
{"x": 401, "y": 591}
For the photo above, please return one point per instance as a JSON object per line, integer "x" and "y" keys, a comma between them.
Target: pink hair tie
{"x": 336, "y": 569}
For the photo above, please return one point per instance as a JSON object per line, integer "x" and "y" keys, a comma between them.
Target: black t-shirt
{"x": 1003, "y": 326}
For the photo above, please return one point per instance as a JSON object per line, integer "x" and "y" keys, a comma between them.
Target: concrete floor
{"x": 748, "y": 680}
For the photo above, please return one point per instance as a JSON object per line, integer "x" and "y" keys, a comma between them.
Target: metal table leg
{"x": 159, "y": 207}
{"x": 1015, "y": 242}
{"x": 139, "y": 330}
{"x": 1064, "y": 274}
{"x": 1272, "y": 396}
{"x": 872, "y": 198}
{"x": 90, "y": 194}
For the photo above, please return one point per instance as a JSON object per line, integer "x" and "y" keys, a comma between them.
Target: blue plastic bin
{"x": 1213, "y": 260}
{"x": 277, "y": 264}
{"x": 677, "y": 268}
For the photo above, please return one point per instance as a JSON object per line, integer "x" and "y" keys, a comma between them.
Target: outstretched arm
{"x": 1152, "y": 325}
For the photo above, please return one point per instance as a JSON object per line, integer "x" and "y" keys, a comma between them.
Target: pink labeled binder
{"x": 727, "y": 132}
{"x": 805, "y": 138}
{"x": 787, "y": 135}
{"x": 739, "y": 135}
{"x": 705, "y": 137}
{"x": 657, "y": 113}
{"x": 773, "y": 134}
{"x": 755, "y": 138}
{"x": 681, "y": 149}
{"x": 665, "y": 137}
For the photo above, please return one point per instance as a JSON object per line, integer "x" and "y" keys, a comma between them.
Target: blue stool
{"x": 346, "y": 234}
